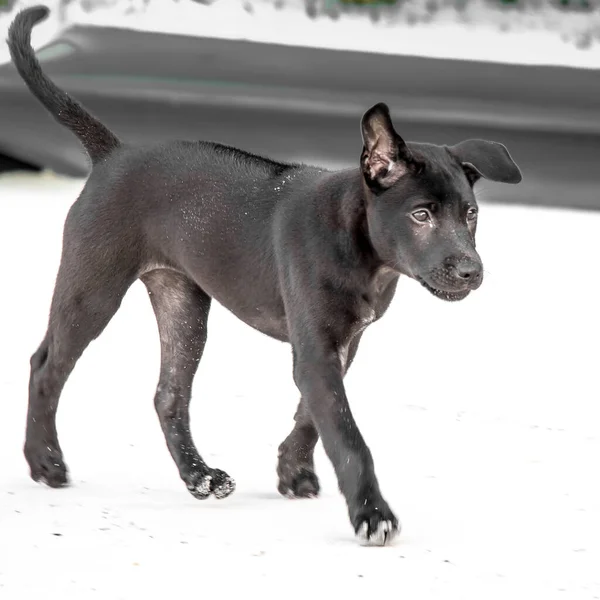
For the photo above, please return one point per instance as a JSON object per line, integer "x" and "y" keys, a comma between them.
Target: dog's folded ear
{"x": 385, "y": 157}
{"x": 491, "y": 160}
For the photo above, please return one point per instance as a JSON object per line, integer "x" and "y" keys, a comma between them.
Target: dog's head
{"x": 421, "y": 209}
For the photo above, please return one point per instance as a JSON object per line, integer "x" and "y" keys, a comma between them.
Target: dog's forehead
{"x": 443, "y": 175}
{"x": 438, "y": 159}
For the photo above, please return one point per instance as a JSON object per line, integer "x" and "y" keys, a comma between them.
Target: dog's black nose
{"x": 469, "y": 270}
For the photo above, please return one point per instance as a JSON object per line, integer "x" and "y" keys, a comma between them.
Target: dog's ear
{"x": 385, "y": 157}
{"x": 490, "y": 160}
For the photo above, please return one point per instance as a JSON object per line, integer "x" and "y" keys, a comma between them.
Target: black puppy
{"x": 304, "y": 255}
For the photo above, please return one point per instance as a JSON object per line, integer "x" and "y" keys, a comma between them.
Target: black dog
{"x": 304, "y": 255}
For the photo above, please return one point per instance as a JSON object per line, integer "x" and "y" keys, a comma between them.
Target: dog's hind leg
{"x": 182, "y": 309}
{"x": 295, "y": 465}
{"x": 89, "y": 288}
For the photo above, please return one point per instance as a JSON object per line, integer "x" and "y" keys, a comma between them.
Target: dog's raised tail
{"x": 97, "y": 139}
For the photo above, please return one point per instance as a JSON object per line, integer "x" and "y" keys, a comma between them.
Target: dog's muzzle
{"x": 455, "y": 280}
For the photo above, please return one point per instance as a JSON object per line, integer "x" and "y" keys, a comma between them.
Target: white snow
{"x": 481, "y": 32}
{"x": 482, "y": 417}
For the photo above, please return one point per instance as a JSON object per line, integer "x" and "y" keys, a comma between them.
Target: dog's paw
{"x": 47, "y": 467}
{"x": 222, "y": 484}
{"x": 376, "y": 526}
{"x": 212, "y": 483}
{"x": 377, "y": 535}
{"x": 300, "y": 483}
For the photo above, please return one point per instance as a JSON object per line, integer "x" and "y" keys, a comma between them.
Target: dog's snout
{"x": 468, "y": 270}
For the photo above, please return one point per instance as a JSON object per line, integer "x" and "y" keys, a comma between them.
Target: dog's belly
{"x": 274, "y": 327}
{"x": 249, "y": 295}
{"x": 252, "y": 305}
{"x": 268, "y": 319}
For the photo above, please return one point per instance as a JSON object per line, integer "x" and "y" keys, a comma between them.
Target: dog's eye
{"x": 471, "y": 214}
{"x": 422, "y": 216}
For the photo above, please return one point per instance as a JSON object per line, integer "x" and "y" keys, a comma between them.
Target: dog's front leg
{"x": 295, "y": 464}
{"x": 318, "y": 373}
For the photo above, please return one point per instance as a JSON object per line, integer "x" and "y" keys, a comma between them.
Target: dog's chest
{"x": 371, "y": 307}
{"x": 365, "y": 317}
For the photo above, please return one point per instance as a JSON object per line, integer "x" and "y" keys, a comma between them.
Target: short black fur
{"x": 302, "y": 254}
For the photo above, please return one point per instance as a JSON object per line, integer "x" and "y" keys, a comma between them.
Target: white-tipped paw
{"x": 224, "y": 489}
{"x": 216, "y": 483}
{"x": 377, "y": 531}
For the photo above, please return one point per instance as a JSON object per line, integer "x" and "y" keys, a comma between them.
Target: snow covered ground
{"x": 480, "y": 31}
{"x": 482, "y": 417}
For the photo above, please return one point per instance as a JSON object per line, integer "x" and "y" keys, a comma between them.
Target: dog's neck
{"x": 345, "y": 210}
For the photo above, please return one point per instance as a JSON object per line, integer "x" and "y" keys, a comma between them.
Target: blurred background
{"x": 291, "y": 78}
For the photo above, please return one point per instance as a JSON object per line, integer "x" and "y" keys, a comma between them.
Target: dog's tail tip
{"x": 97, "y": 139}
{"x": 29, "y": 17}
{"x": 36, "y": 13}
{"x": 25, "y": 20}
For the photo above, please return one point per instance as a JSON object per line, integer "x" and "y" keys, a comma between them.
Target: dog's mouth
{"x": 443, "y": 294}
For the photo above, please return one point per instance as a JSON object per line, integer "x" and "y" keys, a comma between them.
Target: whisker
{"x": 481, "y": 192}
